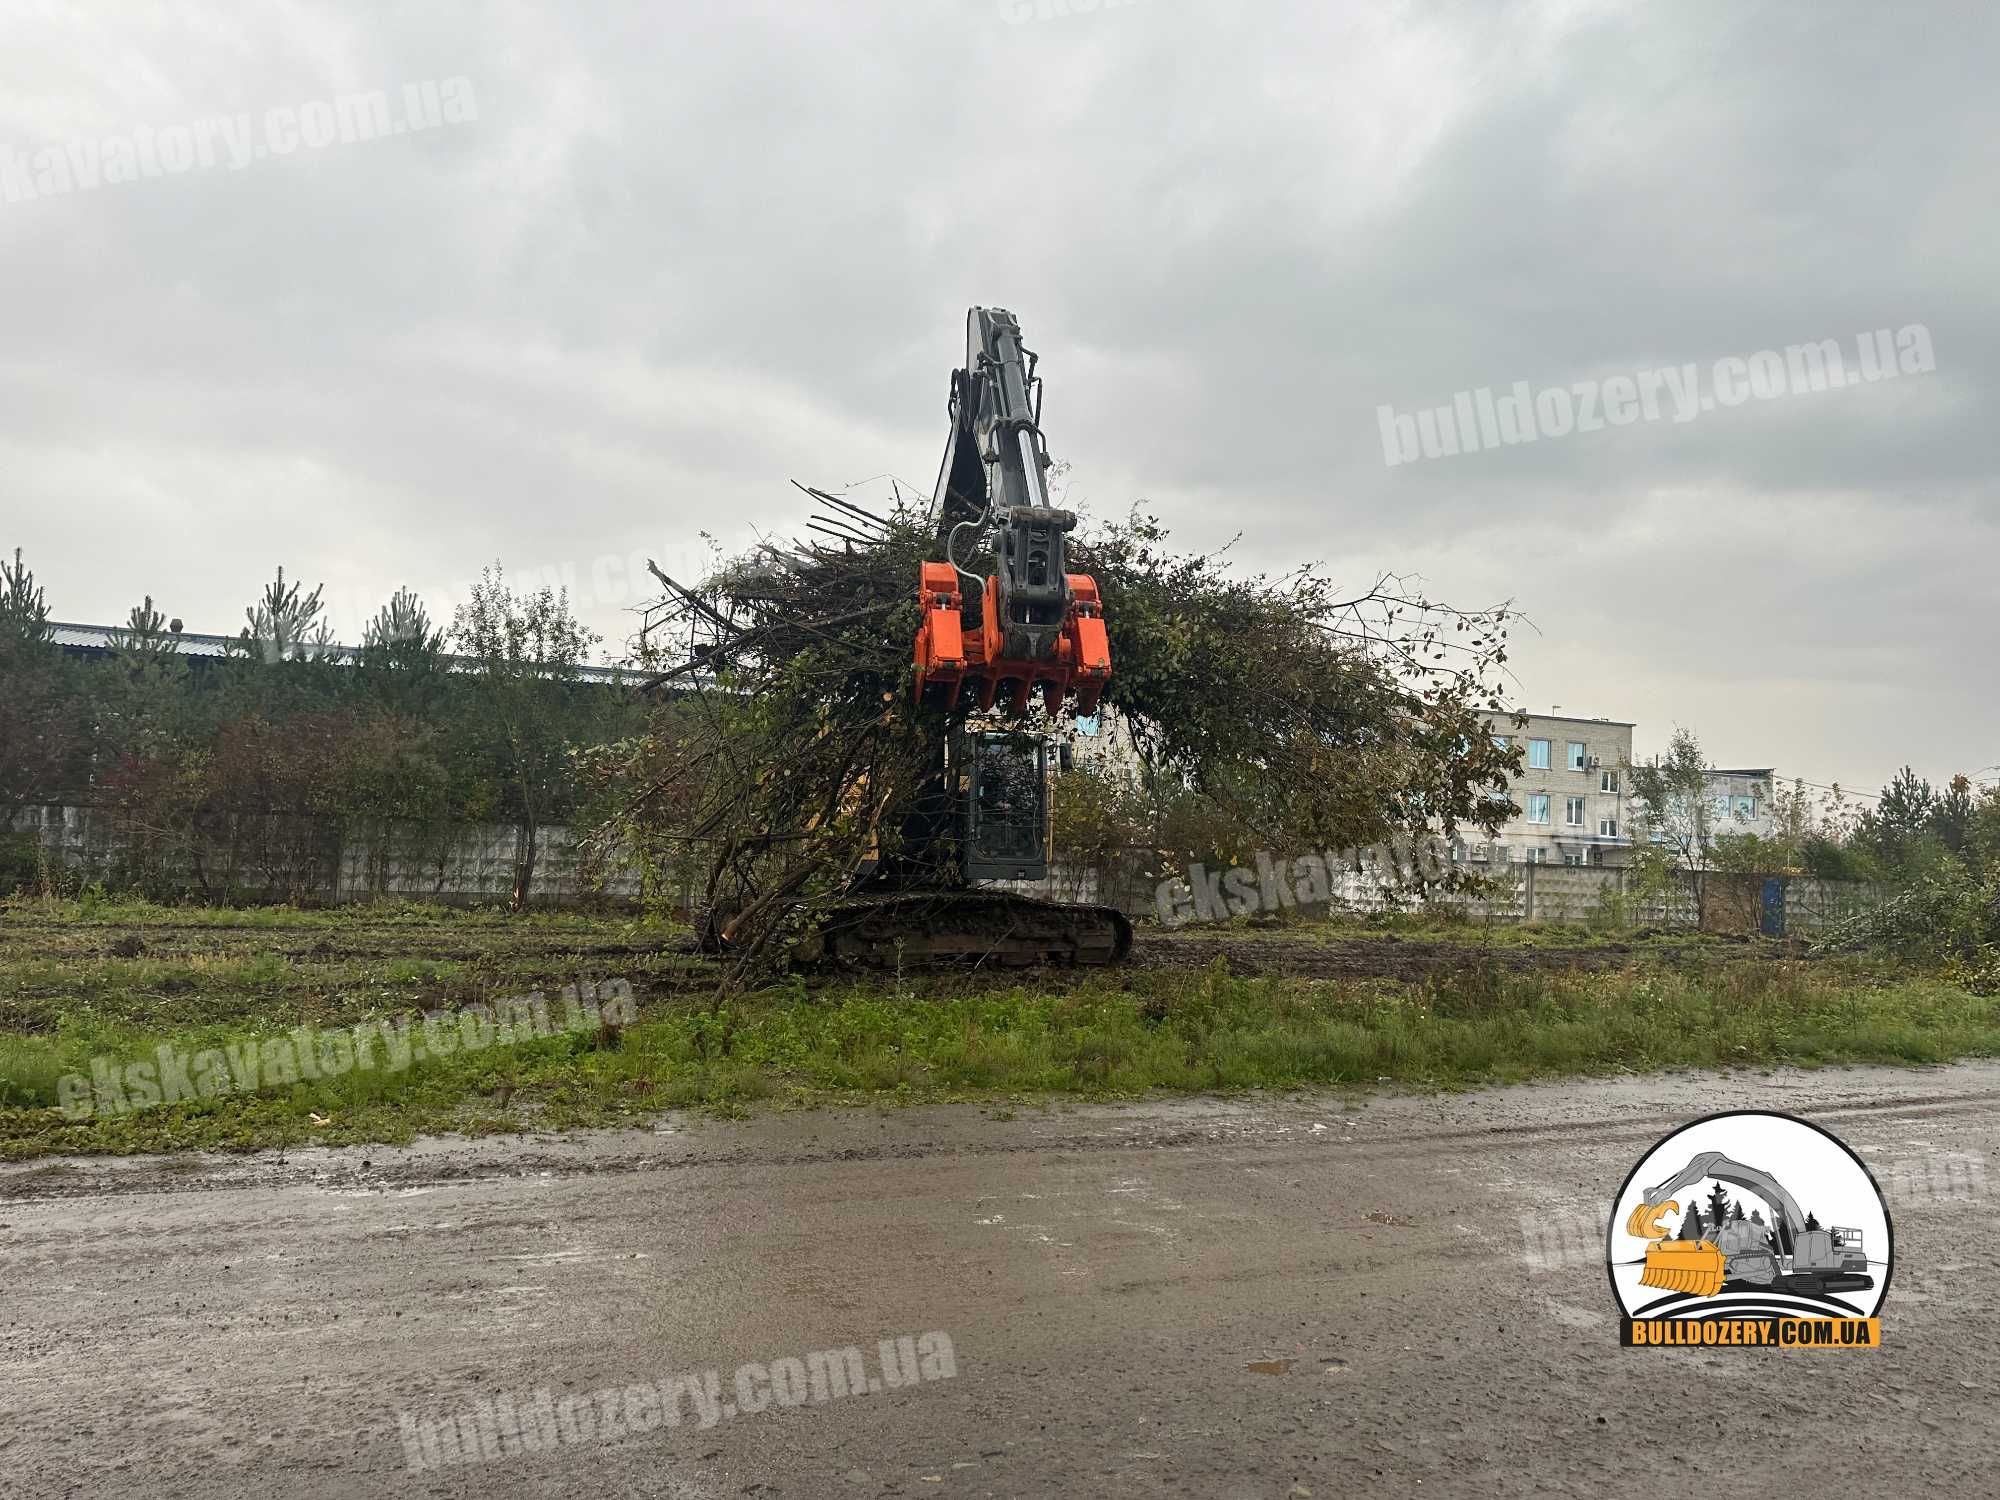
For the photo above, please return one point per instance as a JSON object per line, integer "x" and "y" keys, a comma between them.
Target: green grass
{"x": 1105, "y": 1034}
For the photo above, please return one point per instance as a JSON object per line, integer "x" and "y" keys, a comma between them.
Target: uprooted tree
{"x": 789, "y": 744}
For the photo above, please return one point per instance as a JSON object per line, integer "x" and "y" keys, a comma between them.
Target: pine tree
{"x": 1691, "y": 1225}
{"x": 403, "y": 658}
{"x": 146, "y": 706}
{"x": 43, "y": 737}
{"x": 402, "y": 623}
{"x": 1718, "y": 1206}
{"x": 285, "y": 625}
{"x": 24, "y": 612}
{"x": 144, "y": 635}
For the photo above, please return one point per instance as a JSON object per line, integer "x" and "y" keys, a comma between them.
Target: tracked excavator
{"x": 1739, "y": 1255}
{"x": 1010, "y": 648}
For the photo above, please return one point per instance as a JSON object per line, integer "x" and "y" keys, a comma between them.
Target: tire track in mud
{"x": 1289, "y": 1122}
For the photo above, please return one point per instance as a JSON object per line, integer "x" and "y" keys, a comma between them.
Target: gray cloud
{"x": 686, "y": 253}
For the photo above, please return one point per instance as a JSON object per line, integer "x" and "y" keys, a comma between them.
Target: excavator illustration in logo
{"x": 1811, "y": 1275}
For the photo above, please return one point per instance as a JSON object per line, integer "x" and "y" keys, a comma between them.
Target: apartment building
{"x": 1739, "y": 801}
{"x": 1103, "y": 742}
{"x": 1570, "y": 790}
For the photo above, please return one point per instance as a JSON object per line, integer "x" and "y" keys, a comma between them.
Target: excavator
{"x": 1738, "y": 1255}
{"x": 1010, "y": 646}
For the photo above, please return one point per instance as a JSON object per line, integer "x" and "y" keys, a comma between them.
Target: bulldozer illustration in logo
{"x": 1752, "y": 1228}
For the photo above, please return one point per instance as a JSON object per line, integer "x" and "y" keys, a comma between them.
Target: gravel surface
{"x": 1308, "y": 1295}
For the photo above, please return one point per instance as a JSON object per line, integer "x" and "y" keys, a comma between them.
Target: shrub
{"x": 1946, "y": 915}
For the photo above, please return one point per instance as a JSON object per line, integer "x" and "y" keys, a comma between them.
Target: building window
{"x": 1503, "y": 854}
{"x": 1538, "y": 755}
{"x": 1503, "y": 742}
{"x": 1607, "y": 828}
{"x": 1722, "y": 806}
{"x": 1573, "y": 811}
{"x": 1744, "y": 809}
{"x": 1576, "y": 760}
{"x": 1572, "y": 859}
{"x": 1538, "y": 806}
{"x": 1608, "y": 782}
{"x": 1536, "y": 855}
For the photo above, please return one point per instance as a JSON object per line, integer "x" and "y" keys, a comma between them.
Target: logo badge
{"x": 1755, "y": 1229}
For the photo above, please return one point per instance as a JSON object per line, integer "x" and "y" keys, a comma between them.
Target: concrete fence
{"x": 274, "y": 857}
{"x": 1775, "y": 905}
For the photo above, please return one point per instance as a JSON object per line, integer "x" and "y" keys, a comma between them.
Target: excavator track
{"x": 934, "y": 929}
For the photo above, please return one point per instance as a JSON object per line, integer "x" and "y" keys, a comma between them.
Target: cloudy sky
{"x": 628, "y": 269}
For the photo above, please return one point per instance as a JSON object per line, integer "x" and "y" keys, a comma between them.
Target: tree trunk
{"x": 524, "y": 867}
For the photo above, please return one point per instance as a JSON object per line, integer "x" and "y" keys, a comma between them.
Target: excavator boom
{"x": 1715, "y": 1164}
{"x": 1030, "y": 624}
{"x": 1699, "y": 1266}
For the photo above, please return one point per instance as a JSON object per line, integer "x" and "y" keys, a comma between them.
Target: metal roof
{"x": 1509, "y": 714}
{"x": 191, "y": 643}
{"x": 99, "y": 638}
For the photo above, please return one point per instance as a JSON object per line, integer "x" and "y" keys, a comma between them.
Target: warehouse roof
{"x": 92, "y": 638}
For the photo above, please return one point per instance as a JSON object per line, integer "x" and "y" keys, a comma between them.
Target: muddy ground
{"x": 496, "y": 939}
{"x": 1305, "y": 953}
{"x": 166, "y": 970}
{"x": 1311, "y": 1295}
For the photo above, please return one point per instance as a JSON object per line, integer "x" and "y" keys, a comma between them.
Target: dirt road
{"x": 1312, "y": 1295}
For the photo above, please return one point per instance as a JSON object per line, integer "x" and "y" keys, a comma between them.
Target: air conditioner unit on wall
{"x": 1595, "y": 762}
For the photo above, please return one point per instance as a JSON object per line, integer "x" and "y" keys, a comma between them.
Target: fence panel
{"x": 261, "y": 857}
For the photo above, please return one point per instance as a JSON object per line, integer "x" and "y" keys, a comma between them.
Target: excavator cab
{"x": 1003, "y": 780}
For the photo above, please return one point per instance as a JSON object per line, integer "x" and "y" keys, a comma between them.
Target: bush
{"x": 1945, "y": 916}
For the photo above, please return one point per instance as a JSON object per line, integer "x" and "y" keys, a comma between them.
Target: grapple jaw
{"x": 950, "y": 656}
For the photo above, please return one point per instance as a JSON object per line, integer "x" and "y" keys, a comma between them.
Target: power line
{"x": 1820, "y": 786}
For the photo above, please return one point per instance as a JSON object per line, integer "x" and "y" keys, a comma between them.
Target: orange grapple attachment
{"x": 940, "y": 646}
{"x": 1090, "y": 645}
{"x": 950, "y": 655}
